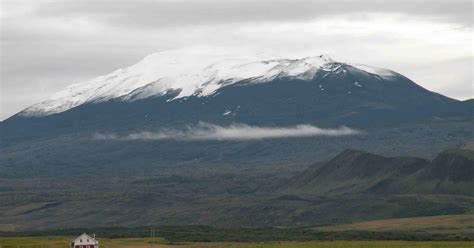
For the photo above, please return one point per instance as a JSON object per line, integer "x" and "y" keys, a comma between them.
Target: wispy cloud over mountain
{"x": 239, "y": 131}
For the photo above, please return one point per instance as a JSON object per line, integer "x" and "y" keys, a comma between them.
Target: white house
{"x": 85, "y": 241}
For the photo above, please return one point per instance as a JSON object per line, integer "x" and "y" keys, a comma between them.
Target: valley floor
{"x": 431, "y": 224}
{"x": 62, "y": 242}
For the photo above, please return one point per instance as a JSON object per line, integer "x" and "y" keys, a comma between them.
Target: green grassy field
{"x": 62, "y": 242}
{"x": 431, "y": 224}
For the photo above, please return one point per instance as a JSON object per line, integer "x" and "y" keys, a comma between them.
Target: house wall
{"x": 86, "y": 246}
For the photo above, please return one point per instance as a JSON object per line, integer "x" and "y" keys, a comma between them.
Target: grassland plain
{"x": 63, "y": 241}
{"x": 430, "y": 224}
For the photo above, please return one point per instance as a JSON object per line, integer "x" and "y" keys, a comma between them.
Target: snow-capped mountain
{"x": 115, "y": 124}
{"x": 189, "y": 74}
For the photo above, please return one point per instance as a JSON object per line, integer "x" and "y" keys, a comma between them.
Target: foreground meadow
{"x": 62, "y": 242}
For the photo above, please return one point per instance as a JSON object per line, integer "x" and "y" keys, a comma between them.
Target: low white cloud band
{"x": 208, "y": 131}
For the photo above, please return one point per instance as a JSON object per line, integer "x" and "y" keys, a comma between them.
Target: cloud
{"x": 149, "y": 14}
{"x": 208, "y": 131}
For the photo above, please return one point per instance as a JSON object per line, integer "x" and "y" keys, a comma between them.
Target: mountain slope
{"x": 454, "y": 165}
{"x": 166, "y": 91}
{"x": 451, "y": 172}
{"x": 192, "y": 74}
{"x": 313, "y": 90}
{"x": 356, "y": 172}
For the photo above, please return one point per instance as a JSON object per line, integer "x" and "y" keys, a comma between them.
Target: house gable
{"x": 85, "y": 239}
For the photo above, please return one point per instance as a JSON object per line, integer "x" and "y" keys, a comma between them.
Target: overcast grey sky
{"x": 47, "y": 45}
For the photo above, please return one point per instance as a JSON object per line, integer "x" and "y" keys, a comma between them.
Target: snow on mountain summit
{"x": 190, "y": 73}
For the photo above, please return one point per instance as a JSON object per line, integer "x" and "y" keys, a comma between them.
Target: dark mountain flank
{"x": 454, "y": 165}
{"x": 354, "y": 171}
{"x": 357, "y": 172}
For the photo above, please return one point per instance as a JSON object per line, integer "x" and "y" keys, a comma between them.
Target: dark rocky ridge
{"x": 357, "y": 172}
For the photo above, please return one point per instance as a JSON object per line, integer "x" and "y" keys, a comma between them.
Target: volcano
{"x": 176, "y": 90}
